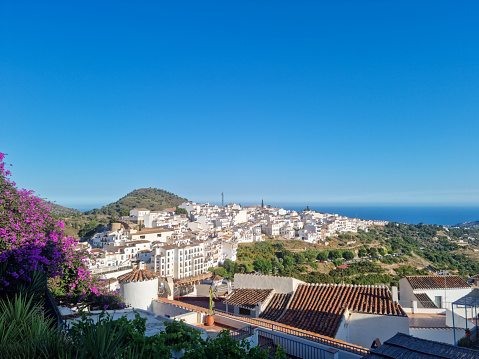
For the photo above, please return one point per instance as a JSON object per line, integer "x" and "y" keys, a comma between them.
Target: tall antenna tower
{"x": 222, "y": 199}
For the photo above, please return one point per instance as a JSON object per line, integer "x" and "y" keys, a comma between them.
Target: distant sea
{"x": 445, "y": 215}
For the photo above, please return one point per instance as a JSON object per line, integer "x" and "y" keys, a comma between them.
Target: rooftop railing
{"x": 292, "y": 347}
{"x": 261, "y": 323}
{"x": 242, "y": 333}
{"x": 299, "y": 333}
{"x": 51, "y": 310}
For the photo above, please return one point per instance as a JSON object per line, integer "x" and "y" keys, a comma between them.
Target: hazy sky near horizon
{"x": 338, "y": 102}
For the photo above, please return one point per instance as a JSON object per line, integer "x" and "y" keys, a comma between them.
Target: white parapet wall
{"x": 364, "y": 328}
{"x": 140, "y": 294}
{"x": 444, "y": 335}
{"x": 256, "y": 281}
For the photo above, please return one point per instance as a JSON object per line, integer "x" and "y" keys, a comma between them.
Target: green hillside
{"x": 470, "y": 225}
{"x": 61, "y": 210}
{"x": 382, "y": 255}
{"x": 84, "y": 224}
{"x": 150, "y": 198}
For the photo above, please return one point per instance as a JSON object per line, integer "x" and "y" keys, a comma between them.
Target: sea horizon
{"x": 413, "y": 214}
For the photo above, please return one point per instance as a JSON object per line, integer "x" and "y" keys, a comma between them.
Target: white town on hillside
{"x": 159, "y": 260}
{"x": 181, "y": 246}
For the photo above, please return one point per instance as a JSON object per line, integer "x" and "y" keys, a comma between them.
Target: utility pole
{"x": 222, "y": 199}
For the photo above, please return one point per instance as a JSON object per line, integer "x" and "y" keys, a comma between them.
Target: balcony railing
{"x": 242, "y": 333}
{"x": 290, "y": 346}
{"x": 299, "y": 333}
{"x": 51, "y": 310}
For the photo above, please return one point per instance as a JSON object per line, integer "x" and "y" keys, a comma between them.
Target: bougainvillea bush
{"x": 32, "y": 241}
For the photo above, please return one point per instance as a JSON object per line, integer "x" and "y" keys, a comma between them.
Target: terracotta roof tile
{"x": 319, "y": 307}
{"x": 248, "y": 298}
{"x": 138, "y": 276}
{"x": 276, "y": 306}
{"x": 424, "y": 299}
{"x": 437, "y": 282}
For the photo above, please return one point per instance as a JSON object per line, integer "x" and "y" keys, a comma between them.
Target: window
{"x": 158, "y": 235}
{"x": 142, "y": 237}
{"x": 438, "y": 301}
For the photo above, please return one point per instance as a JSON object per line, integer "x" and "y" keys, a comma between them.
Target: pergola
{"x": 470, "y": 300}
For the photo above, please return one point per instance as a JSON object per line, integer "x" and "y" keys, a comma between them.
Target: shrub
{"x": 33, "y": 241}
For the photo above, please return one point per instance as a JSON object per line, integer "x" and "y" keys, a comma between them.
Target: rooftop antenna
{"x": 222, "y": 199}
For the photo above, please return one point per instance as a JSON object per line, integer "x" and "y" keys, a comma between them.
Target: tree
{"x": 348, "y": 255}
{"x": 262, "y": 265}
{"x": 373, "y": 252}
{"x": 229, "y": 266}
{"x": 323, "y": 256}
{"x": 306, "y": 209}
{"x": 335, "y": 254}
{"x": 179, "y": 210}
{"x": 362, "y": 253}
{"x": 288, "y": 261}
{"x": 299, "y": 258}
{"x": 124, "y": 212}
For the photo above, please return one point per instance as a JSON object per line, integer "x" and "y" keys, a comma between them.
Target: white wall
{"x": 406, "y": 293}
{"x": 451, "y": 294}
{"x": 115, "y": 274}
{"x": 444, "y": 335}
{"x": 139, "y": 294}
{"x": 279, "y": 284}
{"x": 167, "y": 310}
{"x": 459, "y": 318}
{"x": 425, "y": 310}
{"x": 365, "y": 328}
{"x": 343, "y": 330}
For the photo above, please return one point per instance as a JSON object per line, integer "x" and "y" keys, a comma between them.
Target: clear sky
{"x": 342, "y": 102}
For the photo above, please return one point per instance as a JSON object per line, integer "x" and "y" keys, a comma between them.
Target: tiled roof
{"x": 405, "y": 346}
{"x": 424, "y": 299}
{"x": 437, "y": 282}
{"x": 138, "y": 276}
{"x": 276, "y": 306}
{"x": 248, "y": 298}
{"x": 319, "y": 307}
{"x": 150, "y": 231}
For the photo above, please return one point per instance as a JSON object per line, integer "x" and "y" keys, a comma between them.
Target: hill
{"x": 61, "y": 210}
{"x": 470, "y": 225}
{"x": 84, "y": 224}
{"x": 382, "y": 255}
{"x": 151, "y": 198}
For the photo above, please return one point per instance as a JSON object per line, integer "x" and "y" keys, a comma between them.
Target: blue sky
{"x": 338, "y": 102}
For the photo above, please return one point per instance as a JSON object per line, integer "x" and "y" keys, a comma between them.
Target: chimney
{"x": 395, "y": 294}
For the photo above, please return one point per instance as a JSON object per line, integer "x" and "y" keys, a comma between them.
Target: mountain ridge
{"x": 154, "y": 199}
{"x": 470, "y": 225}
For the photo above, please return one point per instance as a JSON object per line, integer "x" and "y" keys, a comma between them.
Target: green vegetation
{"x": 84, "y": 225}
{"x": 153, "y": 199}
{"x": 27, "y": 333}
{"x": 179, "y": 210}
{"x": 427, "y": 244}
{"x": 61, "y": 210}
